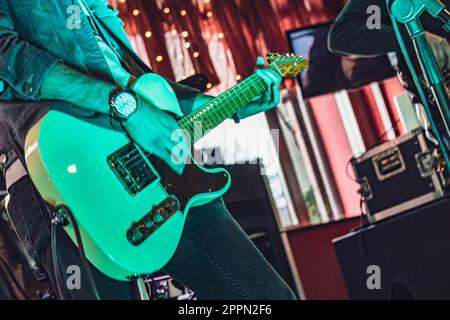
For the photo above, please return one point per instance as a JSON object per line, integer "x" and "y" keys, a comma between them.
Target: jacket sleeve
{"x": 23, "y": 66}
{"x": 350, "y": 34}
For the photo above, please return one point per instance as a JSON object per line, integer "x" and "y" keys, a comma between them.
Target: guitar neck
{"x": 222, "y": 108}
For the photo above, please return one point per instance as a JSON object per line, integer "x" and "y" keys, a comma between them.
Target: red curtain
{"x": 250, "y": 27}
{"x": 190, "y": 22}
{"x": 237, "y": 35}
{"x": 149, "y": 19}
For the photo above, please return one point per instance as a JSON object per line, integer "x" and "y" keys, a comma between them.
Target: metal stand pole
{"x": 408, "y": 12}
{"x": 142, "y": 288}
{"x": 430, "y": 70}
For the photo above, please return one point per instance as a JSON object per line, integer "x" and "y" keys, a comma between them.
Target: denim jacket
{"x": 35, "y": 34}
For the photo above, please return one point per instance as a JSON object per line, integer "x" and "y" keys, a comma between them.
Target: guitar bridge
{"x": 131, "y": 169}
{"x": 160, "y": 214}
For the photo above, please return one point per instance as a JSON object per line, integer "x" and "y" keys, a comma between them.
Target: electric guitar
{"x": 129, "y": 206}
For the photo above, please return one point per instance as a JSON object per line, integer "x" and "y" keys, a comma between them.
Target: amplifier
{"x": 400, "y": 175}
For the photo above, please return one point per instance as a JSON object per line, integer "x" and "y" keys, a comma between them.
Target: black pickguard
{"x": 192, "y": 182}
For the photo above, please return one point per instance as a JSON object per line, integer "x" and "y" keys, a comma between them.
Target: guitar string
{"x": 220, "y": 98}
{"x": 223, "y": 99}
{"x": 234, "y": 92}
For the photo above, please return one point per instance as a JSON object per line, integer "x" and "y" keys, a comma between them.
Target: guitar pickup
{"x": 131, "y": 169}
{"x": 160, "y": 214}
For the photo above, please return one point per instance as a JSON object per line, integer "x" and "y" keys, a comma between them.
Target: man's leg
{"x": 217, "y": 260}
{"x": 31, "y": 221}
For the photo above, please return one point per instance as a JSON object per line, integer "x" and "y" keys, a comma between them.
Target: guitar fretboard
{"x": 222, "y": 108}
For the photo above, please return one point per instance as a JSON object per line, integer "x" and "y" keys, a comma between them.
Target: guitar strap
{"x": 130, "y": 60}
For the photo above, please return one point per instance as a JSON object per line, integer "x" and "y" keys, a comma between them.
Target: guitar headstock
{"x": 287, "y": 65}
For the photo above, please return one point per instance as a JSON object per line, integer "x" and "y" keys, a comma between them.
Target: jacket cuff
{"x": 33, "y": 74}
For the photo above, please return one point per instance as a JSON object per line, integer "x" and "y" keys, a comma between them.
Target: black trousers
{"x": 215, "y": 258}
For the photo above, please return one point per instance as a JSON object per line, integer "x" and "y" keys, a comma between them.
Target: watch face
{"x": 125, "y": 104}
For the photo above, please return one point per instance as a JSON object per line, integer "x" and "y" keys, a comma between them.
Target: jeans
{"x": 215, "y": 258}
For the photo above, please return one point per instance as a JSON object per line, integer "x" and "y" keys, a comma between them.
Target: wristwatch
{"x": 123, "y": 104}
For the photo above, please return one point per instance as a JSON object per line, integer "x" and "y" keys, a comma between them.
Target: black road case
{"x": 400, "y": 175}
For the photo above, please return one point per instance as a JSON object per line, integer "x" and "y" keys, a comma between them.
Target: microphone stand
{"x": 408, "y": 13}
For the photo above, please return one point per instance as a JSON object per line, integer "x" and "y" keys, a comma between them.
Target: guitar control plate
{"x": 160, "y": 214}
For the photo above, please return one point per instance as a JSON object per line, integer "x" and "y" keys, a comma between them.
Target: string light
{"x": 238, "y": 77}
{"x": 185, "y": 35}
{"x": 122, "y": 1}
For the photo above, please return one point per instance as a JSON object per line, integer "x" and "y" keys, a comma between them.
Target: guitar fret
{"x": 224, "y": 106}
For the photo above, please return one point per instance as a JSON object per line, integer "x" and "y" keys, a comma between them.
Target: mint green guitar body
{"x": 70, "y": 163}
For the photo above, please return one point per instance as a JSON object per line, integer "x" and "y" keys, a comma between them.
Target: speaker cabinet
{"x": 411, "y": 250}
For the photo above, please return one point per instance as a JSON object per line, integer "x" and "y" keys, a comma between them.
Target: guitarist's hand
{"x": 157, "y": 132}
{"x": 270, "y": 99}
